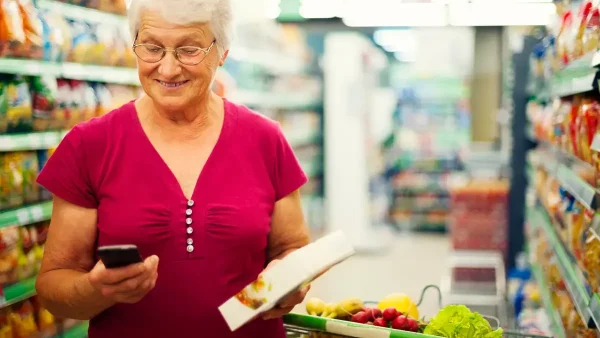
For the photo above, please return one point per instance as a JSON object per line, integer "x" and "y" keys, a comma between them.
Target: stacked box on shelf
{"x": 478, "y": 221}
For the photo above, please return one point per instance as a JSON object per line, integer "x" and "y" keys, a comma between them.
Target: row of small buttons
{"x": 189, "y": 230}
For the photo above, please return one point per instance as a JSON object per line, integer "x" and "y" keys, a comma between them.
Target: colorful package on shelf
{"x": 43, "y": 92}
{"x": 11, "y": 175}
{"x": 23, "y": 320}
{"x": 46, "y": 322}
{"x": 12, "y": 32}
{"x": 19, "y": 114}
{"x": 6, "y": 330}
{"x": 588, "y": 124}
{"x": 592, "y": 36}
{"x": 30, "y": 171}
{"x": 33, "y": 28}
{"x": 590, "y": 263}
{"x": 9, "y": 255}
{"x": 84, "y": 47}
{"x": 43, "y": 156}
{"x": 58, "y": 38}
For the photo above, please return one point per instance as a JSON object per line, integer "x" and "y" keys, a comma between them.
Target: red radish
{"x": 376, "y": 313}
{"x": 390, "y": 314}
{"x": 400, "y": 323}
{"x": 380, "y": 322}
{"x": 372, "y": 313}
{"x": 412, "y": 325}
{"x": 360, "y": 317}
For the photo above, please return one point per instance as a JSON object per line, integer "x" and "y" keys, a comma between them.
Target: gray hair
{"x": 217, "y": 13}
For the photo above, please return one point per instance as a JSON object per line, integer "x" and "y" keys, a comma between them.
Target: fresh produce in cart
{"x": 394, "y": 316}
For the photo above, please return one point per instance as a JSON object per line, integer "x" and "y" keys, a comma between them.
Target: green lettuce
{"x": 457, "y": 321}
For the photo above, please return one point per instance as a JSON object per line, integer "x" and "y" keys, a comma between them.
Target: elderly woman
{"x": 207, "y": 190}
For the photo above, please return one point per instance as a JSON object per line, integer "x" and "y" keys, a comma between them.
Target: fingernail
{"x": 154, "y": 259}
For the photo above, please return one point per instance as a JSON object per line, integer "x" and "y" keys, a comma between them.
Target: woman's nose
{"x": 169, "y": 66}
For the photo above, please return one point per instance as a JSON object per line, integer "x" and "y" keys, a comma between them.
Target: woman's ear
{"x": 223, "y": 58}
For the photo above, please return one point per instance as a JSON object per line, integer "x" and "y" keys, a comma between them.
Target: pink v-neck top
{"x": 210, "y": 246}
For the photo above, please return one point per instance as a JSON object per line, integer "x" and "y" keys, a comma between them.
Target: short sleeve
{"x": 289, "y": 175}
{"x": 65, "y": 174}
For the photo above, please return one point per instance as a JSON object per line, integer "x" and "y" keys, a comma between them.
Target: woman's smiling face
{"x": 172, "y": 85}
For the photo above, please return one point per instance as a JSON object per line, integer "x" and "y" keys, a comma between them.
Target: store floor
{"x": 412, "y": 262}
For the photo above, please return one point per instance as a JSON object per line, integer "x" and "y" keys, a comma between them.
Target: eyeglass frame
{"x": 175, "y": 51}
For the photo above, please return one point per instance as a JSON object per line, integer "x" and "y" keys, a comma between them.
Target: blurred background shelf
{"x": 26, "y": 215}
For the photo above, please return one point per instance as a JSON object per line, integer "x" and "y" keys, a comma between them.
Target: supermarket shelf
{"x": 18, "y": 292}
{"x": 555, "y": 320}
{"x": 26, "y": 215}
{"x": 77, "y": 331}
{"x": 574, "y": 278}
{"x": 31, "y": 141}
{"x": 75, "y": 71}
{"x": 81, "y": 13}
{"x": 276, "y": 100}
{"x": 578, "y": 77}
{"x": 569, "y": 180}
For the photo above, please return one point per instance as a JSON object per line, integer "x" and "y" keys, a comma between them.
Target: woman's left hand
{"x": 287, "y": 304}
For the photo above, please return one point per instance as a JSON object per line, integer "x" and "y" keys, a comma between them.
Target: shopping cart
{"x": 305, "y": 326}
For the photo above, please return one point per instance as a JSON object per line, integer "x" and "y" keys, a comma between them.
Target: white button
{"x": 190, "y": 248}
{"x": 190, "y": 203}
{"x": 190, "y": 230}
{"x": 188, "y": 221}
{"x": 188, "y": 212}
{"x": 190, "y": 241}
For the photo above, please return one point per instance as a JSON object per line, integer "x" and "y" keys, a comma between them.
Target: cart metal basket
{"x": 305, "y": 326}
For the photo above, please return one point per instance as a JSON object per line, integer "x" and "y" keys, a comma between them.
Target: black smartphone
{"x": 117, "y": 256}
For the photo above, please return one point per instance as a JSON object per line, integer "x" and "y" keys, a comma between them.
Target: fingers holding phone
{"x": 128, "y": 283}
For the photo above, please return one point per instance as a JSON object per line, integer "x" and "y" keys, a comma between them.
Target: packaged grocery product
{"x": 23, "y": 320}
{"x": 578, "y": 50}
{"x": 562, "y": 38}
{"x": 33, "y": 28}
{"x": 89, "y": 101}
{"x": 45, "y": 320}
{"x": 12, "y": 169}
{"x": 559, "y": 131}
{"x": 57, "y": 36}
{"x": 592, "y": 37}
{"x": 590, "y": 263}
{"x": 83, "y": 43}
{"x": 64, "y": 104}
{"x": 588, "y": 126}
{"x": 43, "y": 92}
{"x": 6, "y": 330}
{"x": 19, "y": 113}
{"x": 9, "y": 251}
{"x": 12, "y": 33}
{"x": 570, "y": 126}
{"x": 30, "y": 169}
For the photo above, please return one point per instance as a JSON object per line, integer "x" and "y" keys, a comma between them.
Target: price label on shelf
{"x": 23, "y": 217}
{"x": 37, "y": 213}
{"x": 7, "y": 143}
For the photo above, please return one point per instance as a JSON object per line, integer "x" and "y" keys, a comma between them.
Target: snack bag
{"x": 12, "y": 33}
{"x": 89, "y": 101}
{"x": 42, "y": 156}
{"x": 9, "y": 238}
{"x": 19, "y": 112}
{"x": 578, "y": 49}
{"x": 5, "y": 325}
{"x": 83, "y": 43}
{"x": 31, "y": 191}
{"x": 590, "y": 261}
{"x": 577, "y": 229}
{"x": 23, "y": 320}
{"x": 77, "y": 102}
{"x": 104, "y": 99}
{"x": 57, "y": 36}
{"x": 33, "y": 28}
{"x": 43, "y": 92}
{"x": 570, "y": 144}
{"x": 12, "y": 167}
{"x": 62, "y": 114}
{"x": 588, "y": 126}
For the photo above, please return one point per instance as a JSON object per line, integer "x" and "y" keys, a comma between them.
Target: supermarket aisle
{"x": 414, "y": 261}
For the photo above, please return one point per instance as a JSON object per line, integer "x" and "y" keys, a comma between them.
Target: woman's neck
{"x": 187, "y": 123}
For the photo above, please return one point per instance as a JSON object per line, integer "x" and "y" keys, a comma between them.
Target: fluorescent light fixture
{"x": 391, "y": 13}
{"x": 484, "y": 13}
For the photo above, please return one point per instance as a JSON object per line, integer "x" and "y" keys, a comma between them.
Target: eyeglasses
{"x": 187, "y": 55}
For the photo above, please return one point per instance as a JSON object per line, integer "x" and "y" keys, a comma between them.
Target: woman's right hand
{"x": 128, "y": 284}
